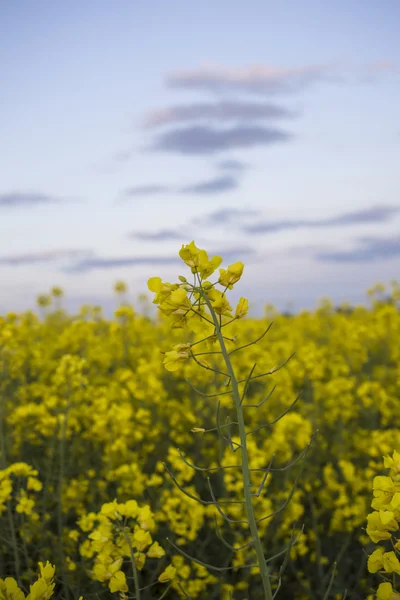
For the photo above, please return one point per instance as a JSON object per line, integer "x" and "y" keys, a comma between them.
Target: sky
{"x": 266, "y": 132}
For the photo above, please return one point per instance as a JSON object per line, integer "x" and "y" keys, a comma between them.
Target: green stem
{"x": 134, "y": 568}
{"x": 59, "y": 507}
{"x": 14, "y": 543}
{"x": 268, "y": 595}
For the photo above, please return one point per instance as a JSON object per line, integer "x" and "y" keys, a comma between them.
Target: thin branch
{"x": 271, "y": 372}
{"x": 207, "y": 395}
{"x": 246, "y": 385}
{"x": 199, "y": 500}
{"x": 254, "y": 342}
{"x": 270, "y": 423}
{"x": 328, "y": 591}
{"x": 267, "y": 397}
{"x": 227, "y": 544}
{"x": 221, "y": 512}
{"x": 278, "y": 510}
{"x": 207, "y": 566}
{"x": 264, "y": 479}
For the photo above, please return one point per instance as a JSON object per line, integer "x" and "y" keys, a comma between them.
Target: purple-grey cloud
{"x": 46, "y": 256}
{"x": 257, "y": 79}
{"x": 219, "y": 111}
{"x": 164, "y": 235}
{"x": 104, "y": 263}
{"x": 232, "y": 165}
{"x": 147, "y": 190}
{"x": 376, "y": 214}
{"x": 199, "y": 140}
{"x": 217, "y": 185}
{"x": 370, "y": 249}
{"x": 226, "y": 216}
{"x": 231, "y": 254}
{"x": 264, "y": 80}
{"x": 22, "y": 199}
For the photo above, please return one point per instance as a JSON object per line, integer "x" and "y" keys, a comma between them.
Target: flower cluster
{"x": 41, "y": 589}
{"x": 383, "y": 525}
{"x": 118, "y": 532}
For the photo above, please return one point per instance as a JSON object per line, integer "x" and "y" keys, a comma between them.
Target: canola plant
{"x": 201, "y": 454}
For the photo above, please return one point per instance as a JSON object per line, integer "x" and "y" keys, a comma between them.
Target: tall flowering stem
{"x": 204, "y": 311}
{"x": 244, "y": 457}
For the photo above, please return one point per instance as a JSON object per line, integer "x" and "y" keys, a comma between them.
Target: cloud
{"x": 264, "y": 80}
{"x": 369, "y": 250}
{"x": 231, "y": 254}
{"x": 257, "y": 79}
{"x": 211, "y": 186}
{"x": 21, "y": 199}
{"x": 47, "y": 256}
{"x": 224, "y": 216}
{"x": 103, "y": 263}
{"x": 164, "y": 235}
{"x": 215, "y": 185}
{"x": 232, "y": 165}
{"x": 210, "y": 140}
{"x": 147, "y": 190}
{"x": 219, "y": 111}
{"x": 376, "y": 214}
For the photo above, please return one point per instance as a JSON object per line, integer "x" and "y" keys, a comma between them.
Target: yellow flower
{"x": 34, "y": 484}
{"x": 155, "y": 551}
{"x": 47, "y": 571}
{"x": 142, "y": 539}
{"x": 175, "y": 358}
{"x": 9, "y": 590}
{"x": 117, "y": 582}
{"x": 111, "y": 510}
{"x": 384, "y": 489}
{"x": 167, "y": 575}
{"x": 130, "y": 508}
{"x": 220, "y": 304}
{"x": 385, "y": 592}
{"x": 25, "y": 505}
{"x": 380, "y": 524}
{"x": 392, "y": 462}
{"x": 375, "y": 561}
{"x": 242, "y": 308}
{"x": 228, "y": 277}
{"x": 120, "y": 287}
{"x": 391, "y": 563}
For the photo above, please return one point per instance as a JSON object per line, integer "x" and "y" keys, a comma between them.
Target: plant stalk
{"x": 268, "y": 595}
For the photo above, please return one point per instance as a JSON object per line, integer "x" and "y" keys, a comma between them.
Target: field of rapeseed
{"x": 201, "y": 454}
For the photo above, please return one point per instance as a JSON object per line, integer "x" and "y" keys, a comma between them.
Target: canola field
{"x": 155, "y": 458}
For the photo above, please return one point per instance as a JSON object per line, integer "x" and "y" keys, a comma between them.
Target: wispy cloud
{"x": 216, "y": 185}
{"x": 164, "y": 235}
{"x": 104, "y": 263}
{"x": 147, "y": 190}
{"x": 46, "y": 256}
{"x": 257, "y": 79}
{"x": 231, "y": 254}
{"x": 219, "y": 111}
{"x": 370, "y": 249}
{"x": 265, "y": 80}
{"x": 199, "y": 140}
{"x": 227, "y": 215}
{"x": 25, "y": 199}
{"x": 376, "y": 214}
{"x": 232, "y": 165}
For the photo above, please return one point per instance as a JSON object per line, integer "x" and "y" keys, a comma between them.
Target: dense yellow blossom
{"x": 93, "y": 409}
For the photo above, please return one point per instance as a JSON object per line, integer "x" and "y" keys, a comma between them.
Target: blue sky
{"x": 267, "y": 132}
